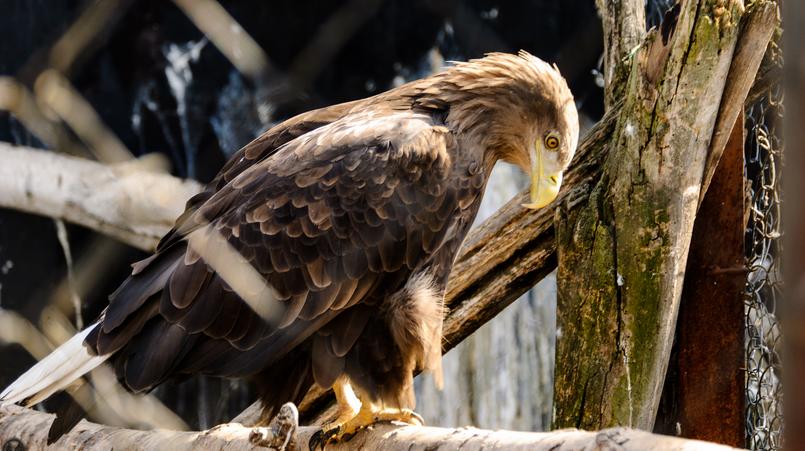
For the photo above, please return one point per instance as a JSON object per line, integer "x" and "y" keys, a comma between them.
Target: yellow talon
{"x": 352, "y": 419}
{"x": 337, "y": 432}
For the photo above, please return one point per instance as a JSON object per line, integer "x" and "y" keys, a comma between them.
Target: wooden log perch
{"x": 26, "y": 429}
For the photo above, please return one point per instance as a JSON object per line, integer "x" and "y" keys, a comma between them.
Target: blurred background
{"x": 196, "y": 80}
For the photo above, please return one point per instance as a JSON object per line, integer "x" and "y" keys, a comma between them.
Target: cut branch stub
{"x": 624, "y": 24}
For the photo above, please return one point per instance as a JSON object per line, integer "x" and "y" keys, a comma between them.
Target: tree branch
{"x": 123, "y": 201}
{"x": 754, "y": 40}
{"x": 515, "y": 248}
{"x": 26, "y": 429}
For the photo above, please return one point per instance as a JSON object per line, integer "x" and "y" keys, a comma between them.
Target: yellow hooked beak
{"x": 544, "y": 187}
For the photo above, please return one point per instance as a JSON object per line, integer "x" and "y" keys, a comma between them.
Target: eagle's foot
{"x": 368, "y": 415}
{"x": 349, "y": 406}
{"x": 330, "y": 432}
{"x": 354, "y": 415}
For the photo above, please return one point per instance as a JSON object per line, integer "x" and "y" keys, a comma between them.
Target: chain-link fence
{"x": 764, "y": 152}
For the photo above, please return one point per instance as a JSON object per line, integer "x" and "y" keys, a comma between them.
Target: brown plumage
{"x": 351, "y": 216}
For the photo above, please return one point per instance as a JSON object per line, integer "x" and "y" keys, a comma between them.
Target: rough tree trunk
{"x": 622, "y": 254}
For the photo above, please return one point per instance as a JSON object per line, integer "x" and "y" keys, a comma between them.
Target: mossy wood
{"x": 622, "y": 252}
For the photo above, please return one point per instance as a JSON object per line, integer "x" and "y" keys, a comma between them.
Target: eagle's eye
{"x": 552, "y": 142}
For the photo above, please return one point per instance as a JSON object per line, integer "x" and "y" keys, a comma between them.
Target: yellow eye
{"x": 552, "y": 142}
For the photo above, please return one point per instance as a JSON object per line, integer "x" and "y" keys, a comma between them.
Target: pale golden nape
{"x": 521, "y": 108}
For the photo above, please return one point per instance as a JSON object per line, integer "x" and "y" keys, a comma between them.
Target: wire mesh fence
{"x": 764, "y": 153}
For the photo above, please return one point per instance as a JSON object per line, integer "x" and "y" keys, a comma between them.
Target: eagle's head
{"x": 548, "y": 151}
{"x": 520, "y": 109}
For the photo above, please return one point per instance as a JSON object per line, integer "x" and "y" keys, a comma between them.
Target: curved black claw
{"x": 322, "y": 437}
{"x": 316, "y": 441}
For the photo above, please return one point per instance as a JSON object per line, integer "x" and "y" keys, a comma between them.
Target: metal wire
{"x": 764, "y": 153}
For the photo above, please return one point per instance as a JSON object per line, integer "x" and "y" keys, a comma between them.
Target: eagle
{"x": 320, "y": 253}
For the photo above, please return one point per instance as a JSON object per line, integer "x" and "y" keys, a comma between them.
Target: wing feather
{"x": 347, "y": 329}
{"x": 327, "y": 366}
{"x": 330, "y": 220}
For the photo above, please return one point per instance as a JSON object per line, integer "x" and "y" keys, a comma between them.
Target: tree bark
{"x": 622, "y": 253}
{"x": 757, "y": 32}
{"x": 26, "y": 429}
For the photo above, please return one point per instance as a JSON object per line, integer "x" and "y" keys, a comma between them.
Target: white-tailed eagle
{"x": 321, "y": 251}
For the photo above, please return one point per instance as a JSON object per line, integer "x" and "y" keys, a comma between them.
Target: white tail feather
{"x": 55, "y": 372}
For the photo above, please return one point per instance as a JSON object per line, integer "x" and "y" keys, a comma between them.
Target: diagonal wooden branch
{"x": 514, "y": 249}
{"x": 755, "y": 37}
{"x": 26, "y": 429}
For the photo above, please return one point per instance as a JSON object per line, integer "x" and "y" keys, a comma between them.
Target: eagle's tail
{"x": 55, "y": 372}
